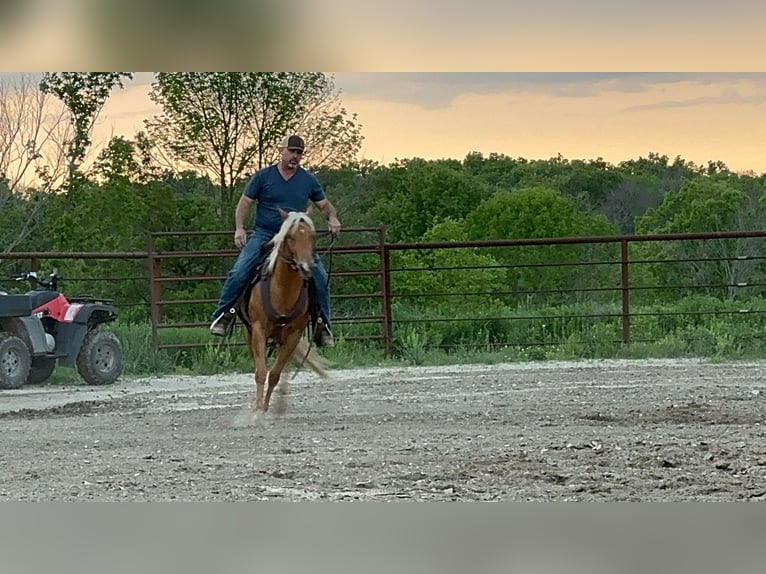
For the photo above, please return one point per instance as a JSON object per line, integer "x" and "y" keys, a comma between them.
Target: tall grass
{"x": 692, "y": 327}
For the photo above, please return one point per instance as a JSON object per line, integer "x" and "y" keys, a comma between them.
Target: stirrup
{"x": 326, "y": 339}
{"x": 224, "y": 323}
{"x": 323, "y": 336}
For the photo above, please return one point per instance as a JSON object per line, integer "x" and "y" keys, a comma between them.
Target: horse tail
{"x": 305, "y": 354}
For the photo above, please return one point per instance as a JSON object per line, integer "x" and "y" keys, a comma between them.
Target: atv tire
{"x": 42, "y": 369}
{"x": 99, "y": 361}
{"x": 15, "y": 361}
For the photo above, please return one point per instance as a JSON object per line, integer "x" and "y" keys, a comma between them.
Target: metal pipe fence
{"x": 382, "y": 291}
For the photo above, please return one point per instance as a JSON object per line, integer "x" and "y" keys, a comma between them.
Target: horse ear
{"x": 282, "y": 212}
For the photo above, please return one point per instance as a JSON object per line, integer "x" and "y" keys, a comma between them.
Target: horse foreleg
{"x": 258, "y": 349}
{"x": 283, "y": 356}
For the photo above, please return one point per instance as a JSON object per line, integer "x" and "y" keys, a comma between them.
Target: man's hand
{"x": 334, "y": 226}
{"x": 240, "y": 237}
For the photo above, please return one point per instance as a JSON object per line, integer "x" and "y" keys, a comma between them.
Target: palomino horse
{"x": 278, "y": 307}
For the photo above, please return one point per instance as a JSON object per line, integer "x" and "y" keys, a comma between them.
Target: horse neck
{"x": 285, "y": 287}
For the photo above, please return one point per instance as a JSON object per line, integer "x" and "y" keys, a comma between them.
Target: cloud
{"x": 748, "y": 89}
{"x": 434, "y": 90}
{"x": 439, "y": 89}
{"x": 730, "y": 98}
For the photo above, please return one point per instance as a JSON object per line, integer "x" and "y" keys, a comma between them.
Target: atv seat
{"x": 41, "y": 297}
{"x": 22, "y": 305}
{"x": 15, "y": 305}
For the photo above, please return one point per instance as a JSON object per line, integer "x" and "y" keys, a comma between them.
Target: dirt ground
{"x": 579, "y": 431}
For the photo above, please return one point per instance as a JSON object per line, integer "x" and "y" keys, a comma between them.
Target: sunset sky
{"x": 580, "y": 115}
{"x": 616, "y": 79}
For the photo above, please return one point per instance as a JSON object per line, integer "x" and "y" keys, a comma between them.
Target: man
{"x": 289, "y": 186}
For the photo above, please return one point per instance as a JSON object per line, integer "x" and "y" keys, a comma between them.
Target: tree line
{"x": 186, "y": 169}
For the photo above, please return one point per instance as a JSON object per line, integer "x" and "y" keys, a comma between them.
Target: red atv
{"x": 43, "y": 327}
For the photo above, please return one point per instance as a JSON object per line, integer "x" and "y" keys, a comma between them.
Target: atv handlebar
{"x": 34, "y": 280}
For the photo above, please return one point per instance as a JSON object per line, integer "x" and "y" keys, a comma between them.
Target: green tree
{"x": 353, "y": 189}
{"x": 707, "y": 205}
{"x": 22, "y": 212}
{"x": 629, "y": 200}
{"x": 659, "y": 171}
{"x": 587, "y": 182}
{"x": 420, "y": 194}
{"x": 84, "y": 94}
{"x": 534, "y": 212}
{"x": 497, "y": 170}
{"x": 230, "y": 123}
{"x": 126, "y": 160}
{"x": 461, "y": 286}
{"x": 541, "y": 212}
{"x": 455, "y": 271}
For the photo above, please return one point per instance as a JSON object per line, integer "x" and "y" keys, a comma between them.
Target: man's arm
{"x": 328, "y": 210}
{"x": 240, "y": 215}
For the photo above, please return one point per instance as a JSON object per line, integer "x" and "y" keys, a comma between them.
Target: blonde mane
{"x": 293, "y": 218}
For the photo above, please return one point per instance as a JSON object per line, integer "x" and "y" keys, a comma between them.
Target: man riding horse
{"x": 288, "y": 186}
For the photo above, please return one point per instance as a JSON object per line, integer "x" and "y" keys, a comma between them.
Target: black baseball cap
{"x": 293, "y": 142}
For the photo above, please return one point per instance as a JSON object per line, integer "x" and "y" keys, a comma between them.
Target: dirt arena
{"x": 579, "y": 431}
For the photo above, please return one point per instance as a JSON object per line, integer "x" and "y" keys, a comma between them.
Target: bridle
{"x": 290, "y": 258}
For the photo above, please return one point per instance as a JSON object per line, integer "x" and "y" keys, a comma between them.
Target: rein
{"x": 328, "y": 252}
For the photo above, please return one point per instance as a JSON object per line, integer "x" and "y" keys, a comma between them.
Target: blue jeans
{"x": 236, "y": 280}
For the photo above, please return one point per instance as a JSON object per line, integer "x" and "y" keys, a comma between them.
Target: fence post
{"x": 155, "y": 291}
{"x": 34, "y": 265}
{"x": 625, "y": 286}
{"x": 385, "y": 269}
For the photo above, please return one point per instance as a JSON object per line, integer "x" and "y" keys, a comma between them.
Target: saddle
{"x": 259, "y": 276}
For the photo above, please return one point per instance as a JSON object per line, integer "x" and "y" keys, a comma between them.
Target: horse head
{"x": 294, "y": 242}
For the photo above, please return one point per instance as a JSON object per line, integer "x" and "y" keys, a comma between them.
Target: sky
{"x": 615, "y": 79}
{"x": 616, "y": 116}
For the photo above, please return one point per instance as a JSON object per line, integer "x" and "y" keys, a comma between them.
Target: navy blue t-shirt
{"x": 270, "y": 190}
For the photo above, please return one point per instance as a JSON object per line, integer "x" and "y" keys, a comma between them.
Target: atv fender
{"x": 35, "y": 334}
{"x": 14, "y": 326}
{"x": 68, "y": 342}
{"x": 71, "y": 335}
{"x": 29, "y": 329}
{"x": 95, "y": 313}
